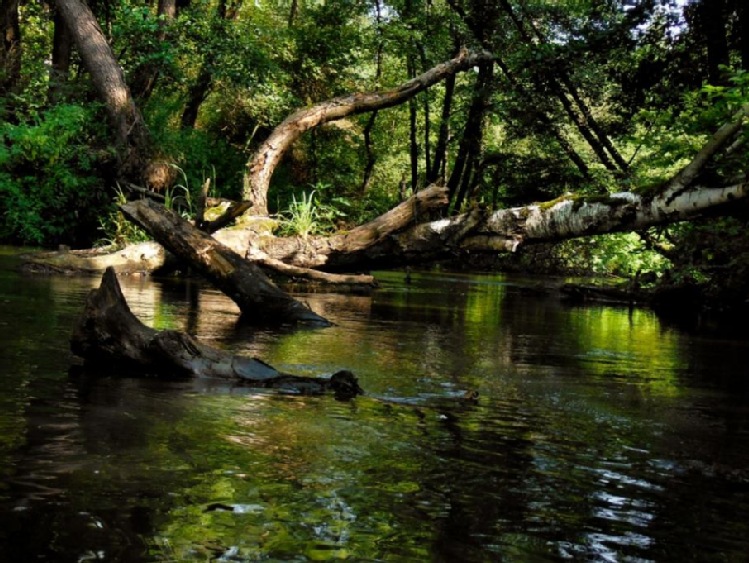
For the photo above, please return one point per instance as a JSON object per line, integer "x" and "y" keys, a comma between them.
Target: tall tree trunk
{"x": 261, "y": 166}
{"x": 62, "y": 48}
{"x": 371, "y": 157}
{"x": 470, "y": 144}
{"x": 440, "y": 150}
{"x": 130, "y": 133}
{"x": 535, "y": 105}
{"x": 10, "y": 48}
{"x": 196, "y": 96}
{"x": 293, "y": 12}
{"x": 368, "y": 150}
{"x": 712, "y": 17}
{"x": 200, "y": 90}
{"x": 427, "y": 119}
{"x": 586, "y": 123}
{"x": 413, "y": 130}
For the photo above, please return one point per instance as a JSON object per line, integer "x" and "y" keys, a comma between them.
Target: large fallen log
{"x": 259, "y": 299}
{"x": 109, "y": 333}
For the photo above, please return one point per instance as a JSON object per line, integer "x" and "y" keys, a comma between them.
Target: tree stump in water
{"x": 108, "y": 333}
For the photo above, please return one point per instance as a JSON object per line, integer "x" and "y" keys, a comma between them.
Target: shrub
{"x": 49, "y": 185}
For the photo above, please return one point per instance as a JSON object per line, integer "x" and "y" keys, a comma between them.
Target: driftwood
{"x": 109, "y": 333}
{"x": 144, "y": 257}
{"x": 260, "y": 301}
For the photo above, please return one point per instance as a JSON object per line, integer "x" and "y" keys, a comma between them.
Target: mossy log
{"x": 109, "y": 334}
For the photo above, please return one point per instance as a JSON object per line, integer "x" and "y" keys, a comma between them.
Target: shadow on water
{"x": 599, "y": 434}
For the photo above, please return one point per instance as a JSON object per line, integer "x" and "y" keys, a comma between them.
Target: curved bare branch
{"x": 264, "y": 161}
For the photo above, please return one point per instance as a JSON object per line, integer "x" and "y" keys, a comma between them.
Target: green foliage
{"x": 306, "y": 216}
{"x": 622, "y": 254}
{"x": 301, "y": 217}
{"x": 178, "y": 196}
{"x": 117, "y": 231}
{"x": 666, "y": 140}
{"x": 712, "y": 255}
{"x": 196, "y": 153}
{"x": 49, "y": 188}
{"x": 143, "y": 42}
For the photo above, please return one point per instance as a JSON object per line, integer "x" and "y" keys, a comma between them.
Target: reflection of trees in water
{"x": 85, "y": 481}
{"x": 571, "y": 448}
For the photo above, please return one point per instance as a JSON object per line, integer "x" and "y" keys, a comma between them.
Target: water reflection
{"x": 599, "y": 435}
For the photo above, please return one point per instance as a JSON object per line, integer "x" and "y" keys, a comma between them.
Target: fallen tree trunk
{"x": 506, "y": 230}
{"x": 352, "y": 250}
{"x": 140, "y": 258}
{"x": 251, "y": 239}
{"x": 108, "y": 333}
{"x": 260, "y": 301}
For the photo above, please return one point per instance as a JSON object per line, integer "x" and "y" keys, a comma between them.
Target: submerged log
{"x": 259, "y": 299}
{"x": 109, "y": 333}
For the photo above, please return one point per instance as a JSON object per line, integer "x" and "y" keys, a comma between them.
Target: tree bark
{"x": 437, "y": 171}
{"x": 470, "y": 144}
{"x": 351, "y": 250}
{"x": 371, "y": 156}
{"x": 109, "y": 334}
{"x": 413, "y": 142}
{"x": 130, "y": 133}
{"x": 712, "y": 18}
{"x": 201, "y": 89}
{"x": 261, "y": 167}
{"x": 10, "y": 48}
{"x": 261, "y": 302}
{"x": 62, "y": 49}
{"x": 197, "y": 94}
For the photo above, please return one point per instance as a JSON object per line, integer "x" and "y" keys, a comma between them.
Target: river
{"x": 600, "y": 433}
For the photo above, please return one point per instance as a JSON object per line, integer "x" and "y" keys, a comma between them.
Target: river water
{"x": 600, "y": 433}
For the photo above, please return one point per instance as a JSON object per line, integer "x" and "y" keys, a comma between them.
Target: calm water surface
{"x": 600, "y": 435}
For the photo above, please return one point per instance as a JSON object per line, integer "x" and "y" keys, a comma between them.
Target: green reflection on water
{"x": 304, "y": 477}
{"x": 574, "y": 448}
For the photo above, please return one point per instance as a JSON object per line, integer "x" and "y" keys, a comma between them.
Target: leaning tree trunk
{"x": 265, "y": 160}
{"x": 261, "y": 302}
{"x": 109, "y": 334}
{"x": 10, "y": 46}
{"x": 130, "y": 133}
{"x": 62, "y": 49}
{"x": 584, "y": 120}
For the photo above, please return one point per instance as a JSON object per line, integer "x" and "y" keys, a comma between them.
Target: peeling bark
{"x": 261, "y": 167}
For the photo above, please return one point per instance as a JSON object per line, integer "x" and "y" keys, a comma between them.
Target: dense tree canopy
{"x": 591, "y": 97}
